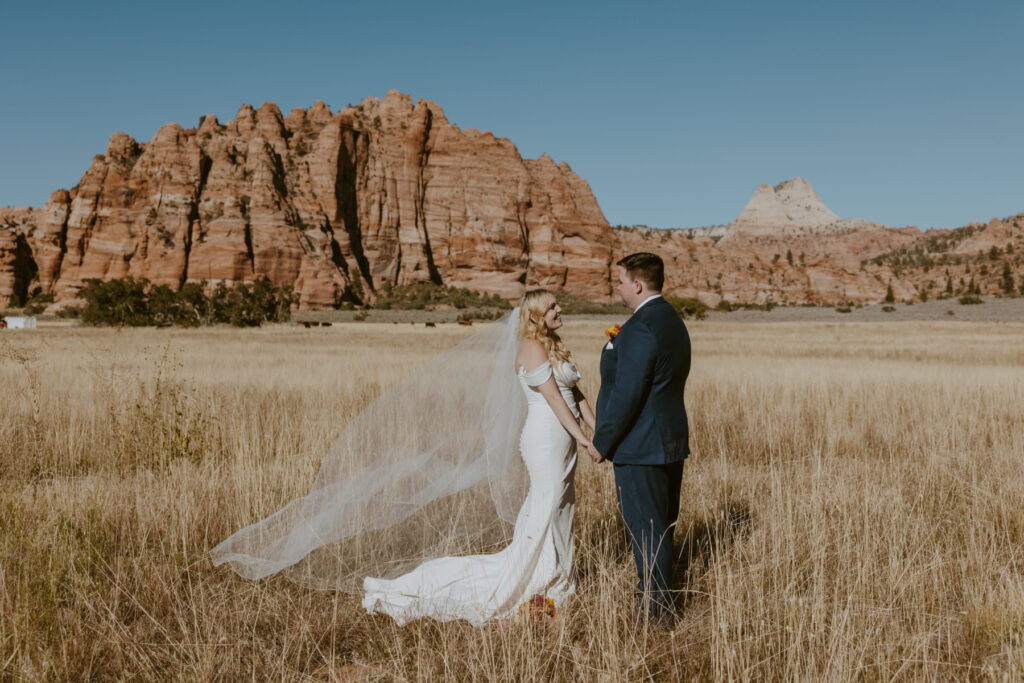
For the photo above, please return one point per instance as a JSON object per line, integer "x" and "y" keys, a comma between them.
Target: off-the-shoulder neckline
{"x": 522, "y": 370}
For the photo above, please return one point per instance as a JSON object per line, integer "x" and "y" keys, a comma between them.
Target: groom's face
{"x": 628, "y": 287}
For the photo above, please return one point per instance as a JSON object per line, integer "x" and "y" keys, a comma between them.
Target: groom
{"x": 641, "y": 424}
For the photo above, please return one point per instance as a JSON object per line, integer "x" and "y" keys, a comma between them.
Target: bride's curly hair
{"x": 531, "y": 325}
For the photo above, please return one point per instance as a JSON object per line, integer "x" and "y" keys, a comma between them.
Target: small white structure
{"x": 20, "y": 322}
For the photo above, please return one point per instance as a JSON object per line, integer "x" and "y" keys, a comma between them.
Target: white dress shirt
{"x": 652, "y": 296}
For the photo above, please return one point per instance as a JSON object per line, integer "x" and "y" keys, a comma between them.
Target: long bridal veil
{"x": 430, "y": 468}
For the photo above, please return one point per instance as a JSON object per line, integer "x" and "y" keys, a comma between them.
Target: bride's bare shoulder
{"x": 531, "y": 354}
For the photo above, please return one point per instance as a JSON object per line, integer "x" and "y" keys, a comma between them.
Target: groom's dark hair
{"x": 646, "y": 267}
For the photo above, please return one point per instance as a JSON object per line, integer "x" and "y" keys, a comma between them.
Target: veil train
{"x": 434, "y": 460}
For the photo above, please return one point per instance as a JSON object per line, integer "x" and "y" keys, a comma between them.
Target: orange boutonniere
{"x": 613, "y": 331}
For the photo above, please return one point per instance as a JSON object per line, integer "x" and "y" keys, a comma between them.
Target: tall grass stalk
{"x": 852, "y": 509}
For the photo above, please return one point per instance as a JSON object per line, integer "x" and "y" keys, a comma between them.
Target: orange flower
{"x": 537, "y": 608}
{"x": 613, "y": 331}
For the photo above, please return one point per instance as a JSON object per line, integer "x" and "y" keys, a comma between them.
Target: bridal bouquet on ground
{"x": 537, "y": 608}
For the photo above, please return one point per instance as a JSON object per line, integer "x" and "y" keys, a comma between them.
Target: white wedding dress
{"x": 539, "y": 558}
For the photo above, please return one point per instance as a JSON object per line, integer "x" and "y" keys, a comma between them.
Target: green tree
{"x": 353, "y": 290}
{"x": 241, "y": 311}
{"x": 220, "y": 304}
{"x": 126, "y": 301}
{"x": 194, "y": 307}
{"x": 1007, "y": 280}
{"x": 121, "y": 302}
{"x": 889, "y": 296}
{"x": 163, "y": 305}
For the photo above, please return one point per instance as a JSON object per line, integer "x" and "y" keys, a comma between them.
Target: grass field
{"x": 854, "y": 508}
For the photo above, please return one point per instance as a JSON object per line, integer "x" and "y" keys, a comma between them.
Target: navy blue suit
{"x": 642, "y": 428}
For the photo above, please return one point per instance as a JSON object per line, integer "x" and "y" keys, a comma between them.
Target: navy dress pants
{"x": 648, "y": 498}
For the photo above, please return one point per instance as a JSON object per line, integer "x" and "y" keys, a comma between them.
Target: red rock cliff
{"x": 335, "y": 204}
{"x": 332, "y": 203}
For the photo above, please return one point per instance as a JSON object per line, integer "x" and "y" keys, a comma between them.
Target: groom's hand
{"x": 594, "y": 454}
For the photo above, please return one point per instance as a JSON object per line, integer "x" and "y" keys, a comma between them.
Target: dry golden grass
{"x": 854, "y": 508}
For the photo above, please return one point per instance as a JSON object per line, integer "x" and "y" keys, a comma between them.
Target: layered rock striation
{"x": 338, "y": 203}
{"x": 332, "y": 203}
{"x": 787, "y": 247}
{"x": 857, "y": 264}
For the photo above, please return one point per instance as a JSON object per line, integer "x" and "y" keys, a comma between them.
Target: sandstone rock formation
{"x": 787, "y": 247}
{"x": 338, "y": 203}
{"x": 334, "y": 204}
{"x": 17, "y": 268}
{"x": 790, "y": 207}
{"x": 825, "y": 268}
{"x": 853, "y": 265}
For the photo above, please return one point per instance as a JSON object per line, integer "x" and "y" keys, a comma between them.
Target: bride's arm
{"x": 531, "y": 356}
{"x": 585, "y": 410}
{"x": 549, "y": 390}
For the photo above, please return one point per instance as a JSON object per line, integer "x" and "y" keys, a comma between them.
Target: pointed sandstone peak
{"x": 169, "y": 133}
{"x": 121, "y": 146}
{"x": 270, "y": 125}
{"x": 790, "y": 206}
{"x": 209, "y": 124}
{"x": 245, "y": 120}
{"x": 60, "y": 197}
{"x": 319, "y": 111}
{"x": 269, "y": 109}
{"x": 395, "y": 97}
{"x": 798, "y": 195}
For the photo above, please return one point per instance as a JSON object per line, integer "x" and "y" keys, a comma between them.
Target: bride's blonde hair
{"x": 531, "y": 325}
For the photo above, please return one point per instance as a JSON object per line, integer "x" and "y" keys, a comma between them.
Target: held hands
{"x": 589, "y": 418}
{"x": 591, "y": 451}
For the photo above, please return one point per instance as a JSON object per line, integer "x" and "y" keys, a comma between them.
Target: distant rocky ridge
{"x": 338, "y": 203}
{"x": 855, "y": 262}
{"x": 787, "y": 247}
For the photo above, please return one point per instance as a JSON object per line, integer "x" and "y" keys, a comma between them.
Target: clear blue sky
{"x": 905, "y": 113}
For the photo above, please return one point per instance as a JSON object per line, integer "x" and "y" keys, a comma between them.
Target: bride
{"x": 432, "y": 471}
{"x": 538, "y": 561}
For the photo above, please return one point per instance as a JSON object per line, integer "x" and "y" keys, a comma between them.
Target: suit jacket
{"x": 641, "y": 417}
